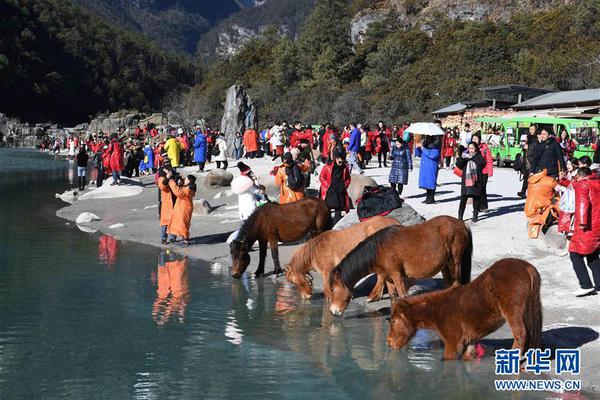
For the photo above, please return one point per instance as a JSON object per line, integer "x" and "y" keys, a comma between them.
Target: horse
{"x": 274, "y": 223}
{"x": 398, "y": 253}
{"x": 326, "y": 251}
{"x": 508, "y": 291}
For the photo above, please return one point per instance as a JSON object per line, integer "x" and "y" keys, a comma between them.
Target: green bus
{"x": 507, "y": 147}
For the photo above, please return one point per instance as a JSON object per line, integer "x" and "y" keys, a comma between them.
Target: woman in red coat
{"x": 488, "y": 170}
{"x": 449, "y": 148}
{"x": 116, "y": 159}
{"x": 335, "y": 179}
{"x": 585, "y": 243}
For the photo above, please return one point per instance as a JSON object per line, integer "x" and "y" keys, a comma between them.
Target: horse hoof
{"x": 258, "y": 275}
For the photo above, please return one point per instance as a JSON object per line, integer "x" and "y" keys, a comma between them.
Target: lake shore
{"x": 568, "y": 321}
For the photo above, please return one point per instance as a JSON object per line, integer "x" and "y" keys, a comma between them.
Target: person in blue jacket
{"x": 430, "y": 158}
{"x": 200, "y": 150}
{"x": 401, "y": 165}
{"x": 354, "y": 148}
{"x": 147, "y": 163}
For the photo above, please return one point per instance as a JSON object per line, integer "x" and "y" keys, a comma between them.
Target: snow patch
{"x": 86, "y": 217}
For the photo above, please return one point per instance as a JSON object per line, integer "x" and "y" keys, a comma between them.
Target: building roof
{"x": 562, "y": 99}
{"x": 513, "y": 93}
{"x": 451, "y": 109}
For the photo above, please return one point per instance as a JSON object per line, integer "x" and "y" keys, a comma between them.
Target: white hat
{"x": 180, "y": 130}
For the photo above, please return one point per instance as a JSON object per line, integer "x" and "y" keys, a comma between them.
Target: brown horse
{"x": 509, "y": 290}
{"x": 274, "y": 223}
{"x": 397, "y": 253}
{"x": 326, "y": 251}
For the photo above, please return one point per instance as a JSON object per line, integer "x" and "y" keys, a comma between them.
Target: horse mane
{"x": 359, "y": 261}
{"x": 247, "y": 227}
{"x": 302, "y": 258}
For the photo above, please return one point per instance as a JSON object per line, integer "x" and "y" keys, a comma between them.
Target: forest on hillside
{"x": 60, "y": 63}
{"x": 399, "y": 73}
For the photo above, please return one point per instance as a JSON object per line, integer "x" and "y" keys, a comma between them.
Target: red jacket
{"x": 298, "y": 136}
{"x": 116, "y": 156}
{"x": 587, "y": 215}
{"x": 449, "y": 147}
{"x": 325, "y": 179}
{"x": 489, "y": 160}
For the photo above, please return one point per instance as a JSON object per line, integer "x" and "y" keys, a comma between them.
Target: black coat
{"x": 462, "y": 164}
{"x": 548, "y": 155}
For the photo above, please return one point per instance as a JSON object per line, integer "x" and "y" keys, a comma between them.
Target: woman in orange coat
{"x": 250, "y": 141}
{"x": 287, "y": 194}
{"x": 167, "y": 201}
{"x": 184, "y": 206}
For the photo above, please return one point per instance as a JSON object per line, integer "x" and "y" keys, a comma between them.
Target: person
{"x": 401, "y": 165}
{"x": 179, "y": 225}
{"x": 200, "y": 150}
{"x": 585, "y": 243}
{"x": 173, "y": 148}
{"x": 166, "y": 202}
{"x": 429, "y": 166}
{"x": 147, "y": 161}
{"x": 354, "y": 148}
{"x": 488, "y": 170}
{"x": 276, "y": 142}
{"x": 528, "y": 149}
{"x": 290, "y": 189}
{"x": 335, "y": 179}
{"x": 221, "y": 156}
{"x": 251, "y": 143}
{"x": 382, "y": 144}
{"x": 471, "y": 162}
{"x": 115, "y": 152}
{"x": 82, "y": 160}
{"x": 97, "y": 163}
{"x": 238, "y": 145}
{"x": 596, "y": 157}
{"x": 548, "y": 156}
{"x": 449, "y": 147}
{"x": 567, "y": 144}
{"x": 567, "y": 198}
{"x": 464, "y": 138}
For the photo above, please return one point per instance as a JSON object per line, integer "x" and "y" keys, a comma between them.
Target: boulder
{"x": 201, "y": 207}
{"x": 240, "y": 114}
{"x": 86, "y": 217}
{"x": 406, "y": 215}
{"x": 117, "y": 226}
{"x": 357, "y": 185}
{"x": 218, "y": 177}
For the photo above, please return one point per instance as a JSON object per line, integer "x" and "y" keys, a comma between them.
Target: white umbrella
{"x": 424, "y": 128}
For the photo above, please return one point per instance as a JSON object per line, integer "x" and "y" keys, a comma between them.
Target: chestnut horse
{"x": 398, "y": 253}
{"x": 274, "y": 223}
{"x": 326, "y": 251}
{"x": 508, "y": 291}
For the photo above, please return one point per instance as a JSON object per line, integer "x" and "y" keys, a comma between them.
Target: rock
{"x": 357, "y": 185}
{"x": 360, "y": 23}
{"x": 218, "y": 177}
{"x": 117, "y": 226}
{"x": 68, "y": 196}
{"x": 201, "y": 207}
{"x": 86, "y": 217}
{"x": 406, "y": 215}
{"x": 240, "y": 114}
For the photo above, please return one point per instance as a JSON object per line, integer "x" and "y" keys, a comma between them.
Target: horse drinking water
{"x": 399, "y": 253}
{"x": 508, "y": 291}
{"x": 274, "y": 223}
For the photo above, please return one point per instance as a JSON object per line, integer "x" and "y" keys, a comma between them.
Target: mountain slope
{"x": 60, "y": 63}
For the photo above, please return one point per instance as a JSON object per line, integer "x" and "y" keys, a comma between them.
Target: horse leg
{"x": 274, "y": 244}
{"x": 519, "y": 331}
{"x": 377, "y": 292}
{"x": 398, "y": 280}
{"x": 326, "y": 288}
{"x": 391, "y": 290}
{"x": 262, "y": 255}
{"x": 448, "y": 276}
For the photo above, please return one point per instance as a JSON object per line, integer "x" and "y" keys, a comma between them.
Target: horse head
{"x": 240, "y": 257}
{"x": 340, "y": 293}
{"x": 300, "y": 280}
{"x": 402, "y": 329}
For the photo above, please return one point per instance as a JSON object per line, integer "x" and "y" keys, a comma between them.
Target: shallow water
{"x": 85, "y": 316}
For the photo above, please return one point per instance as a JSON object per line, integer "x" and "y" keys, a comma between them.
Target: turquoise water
{"x": 83, "y": 316}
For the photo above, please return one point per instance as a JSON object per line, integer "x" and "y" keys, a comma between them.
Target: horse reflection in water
{"x": 173, "y": 293}
{"x": 108, "y": 251}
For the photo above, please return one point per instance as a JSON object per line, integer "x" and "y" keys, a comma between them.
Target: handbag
{"x": 567, "y": 200}
{"x": 458, "y": 172}
{"x": 378, "y": 200}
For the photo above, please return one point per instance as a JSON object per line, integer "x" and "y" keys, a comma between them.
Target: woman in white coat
{"x": 276, "y": 142}
{"x": 221, "y": 157}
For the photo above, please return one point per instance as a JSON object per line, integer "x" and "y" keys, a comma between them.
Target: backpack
{"x": 378, "y": 200}
{"x": 215, "y": 150}
{"x": 295, "y": 179}
{"x": 518, "y": 164}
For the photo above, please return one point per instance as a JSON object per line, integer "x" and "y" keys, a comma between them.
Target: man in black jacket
{"x": 547, "y": 155}
{"x": 529, "y": 146}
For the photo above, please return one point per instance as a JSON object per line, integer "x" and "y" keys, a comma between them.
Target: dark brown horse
{"x": 399, "y": 253}
{"x": 274, "y": 223}
{"x": 508, "y": 291}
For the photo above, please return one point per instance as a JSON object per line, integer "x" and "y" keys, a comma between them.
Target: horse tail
{"x": 467, "y": 259}
{"x": 359, "y": 262}
{"x": 533, "y": 311}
